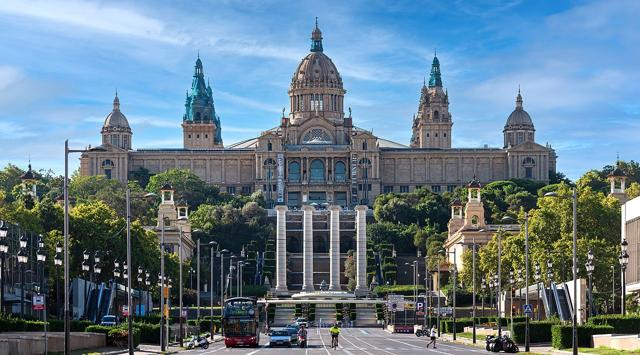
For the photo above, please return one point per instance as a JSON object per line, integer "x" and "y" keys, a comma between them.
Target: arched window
{"x": 317, "y": 171}
{"x": 107, "y": 166}
{"x": 269, "y": 146}
{"x": 316, "y": 136}
{"x": 475, "y": 220}
{"x": 197, "y": 116}
{"x": 528, "y": 163}
{"x": 294, "y": 171}
{"x": 436, "y": 115}
{"x": 340, "y": 172}
{"x": 364, "y": 145}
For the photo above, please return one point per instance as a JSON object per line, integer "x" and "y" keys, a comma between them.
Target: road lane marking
{"x": 253, "y": 352}
{"x": 357, "y": 347}
{"x": 373, "y": 346}
{"x": 324, "y": 346}
{"x": 418, "y": 347}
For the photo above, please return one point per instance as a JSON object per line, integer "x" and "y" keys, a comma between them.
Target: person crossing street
{"x": 433, "y": 334}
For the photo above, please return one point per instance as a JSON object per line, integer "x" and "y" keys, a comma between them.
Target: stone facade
{"x": 317, "y": 155}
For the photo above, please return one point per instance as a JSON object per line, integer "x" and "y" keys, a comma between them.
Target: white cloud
{"x": 99, "y": 16}
{"x": 247, "y": 102}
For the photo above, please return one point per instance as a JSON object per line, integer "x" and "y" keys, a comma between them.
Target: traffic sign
{"x": 38, "y": 302}
{"x": 420, "y": 308}
{"x": 528, "y": 309}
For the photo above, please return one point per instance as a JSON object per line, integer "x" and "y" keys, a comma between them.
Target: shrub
{"x": 149, "y": 333}
{"x": 447, "y": 324}
{"x": 621, "y": 324}
{"x": 561, "y": 335}
{"x": 98, "y": 329}
{"x": 406, "y": 290}
{"x": 539, "y": 332}
{"x": 118, "y": 337}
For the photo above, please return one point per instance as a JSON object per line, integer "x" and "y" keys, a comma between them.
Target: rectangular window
{"x": 528, "y": 172}
{"x": 435, "y": 188}
{"x": 387, "y": 189}
{"x": 246, "y": 190}
{"x": 451, "y": 188}
{"x": 293, "y": 199}
{"x": 231, "y": 190}
{"x": 317, "y": 197}
{"x": 418, "y": 187}
{"x": 341, "y": 199}
{"x": 404, "y": 189}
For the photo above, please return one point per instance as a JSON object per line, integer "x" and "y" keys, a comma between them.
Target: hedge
{"x": 561, "y": 335}
{"x": 149, "y": 333}
{"x": 10, "y": 324}
{"x": 621, "y": 324}
{"x": 119, "y": 337}
{"x": 539, "y": 332}
{"x": 447, "y": 324}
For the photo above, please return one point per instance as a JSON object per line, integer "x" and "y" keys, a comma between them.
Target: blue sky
{"x": 576, "y": 62}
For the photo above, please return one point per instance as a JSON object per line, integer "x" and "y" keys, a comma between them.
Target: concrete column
{"x": 307, "y": 248}
{"x": 334, "y": 249}
{"x": 281, "y": 248}
{"x": 361, "y": 250}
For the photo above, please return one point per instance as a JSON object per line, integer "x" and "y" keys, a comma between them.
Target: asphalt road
{"x": 352, "y": 341}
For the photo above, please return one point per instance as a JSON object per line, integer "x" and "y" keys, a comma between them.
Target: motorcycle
{"x": 302, "y": 340}
{"x": 421, "y": 332}
{"x": 502, "y": 343}
{"x": 198, "y": 342}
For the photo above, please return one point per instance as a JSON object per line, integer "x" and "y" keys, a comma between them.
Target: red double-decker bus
{"x": 240, "y": 322}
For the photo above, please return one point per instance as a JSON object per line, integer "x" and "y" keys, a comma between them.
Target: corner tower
{"x": 432, "y": 124}
{"x": 200, "y": 125}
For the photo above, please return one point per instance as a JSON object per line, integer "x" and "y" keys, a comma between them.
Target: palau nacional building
{"x": 316, "y": 156}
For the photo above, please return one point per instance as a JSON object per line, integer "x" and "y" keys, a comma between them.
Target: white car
{"x": 302, "y": 322}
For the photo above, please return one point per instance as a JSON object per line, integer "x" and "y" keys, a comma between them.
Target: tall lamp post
{"x": 455, "y": 272}
{"x": 191, "y": 272}
{"x": 57, "y": 261}
{"x": 116, "y": 276}
{"x": 590, "y": 266}
{"x": 147, "y": 282}
{"x": 537, "y": 277}
{"x": 624, "y": 261}
{"x": 212, "y": 244}
{"x": 85, "y": 269}
{"x": 23, "y": 258}
{"x": 42, "y": 257}
{"x": 483, "y": 289}
{"x": 574, "y": 199}
{"x": 140, "y": 273}
{"x": 512, "y": 282}
{"x": 473, "y": 281}
{"x": 4, "y": 248}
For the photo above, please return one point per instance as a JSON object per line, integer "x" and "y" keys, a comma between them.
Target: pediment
{"x": 528, "y": 147}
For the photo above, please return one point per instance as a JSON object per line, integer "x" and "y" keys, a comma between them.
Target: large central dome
{"x": 316, "y": 86}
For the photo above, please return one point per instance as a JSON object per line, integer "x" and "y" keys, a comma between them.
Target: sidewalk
{"x": 145, "y": 348}
{"x": 537, "y": 348}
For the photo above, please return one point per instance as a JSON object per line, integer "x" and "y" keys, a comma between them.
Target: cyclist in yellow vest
{"x": 334, "y": 331}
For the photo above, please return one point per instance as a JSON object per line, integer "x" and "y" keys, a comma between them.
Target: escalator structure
{"x": 557, "y": 302}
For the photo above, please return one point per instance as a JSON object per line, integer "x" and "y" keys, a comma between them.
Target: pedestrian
{"x": 433, "y": 335}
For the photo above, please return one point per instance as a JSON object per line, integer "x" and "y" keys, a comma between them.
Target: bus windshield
{"x": 239, "y": 327}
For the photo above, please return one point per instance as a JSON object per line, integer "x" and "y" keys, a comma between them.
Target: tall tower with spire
{"x": 200, "y": 125}
{"x": 432, "y": 124}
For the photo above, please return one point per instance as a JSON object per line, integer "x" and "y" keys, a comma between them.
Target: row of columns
{"x": 334, "y": 249}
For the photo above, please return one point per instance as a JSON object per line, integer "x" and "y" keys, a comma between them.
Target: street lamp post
{"x": 116, "y": 276}
{"x": 42, "y": 257}
{"x": 527, "y": 334}
{"x": 4, "y": 248}
{"x": 147, "y": 282}
{"x": 455, "y": 272}
{"x": 483, "y": 288}
{"x": 57, "y": 261}
{"x": 191, "y": 272}
{"x": 23, "y": 258}
{"x": 519, "y": 281}
{"x": 85, "y": 269}
{"x": 473, "y": 281}
{"x": 624, "y": 261}
{"x": 511, "y": 284}
{"x": 590, "y": 267}
{"x": 140, "y": 273}
{"x": 574, "y": 199}
{"x": 211, "y": 245}
{"x": 537, "y": 277}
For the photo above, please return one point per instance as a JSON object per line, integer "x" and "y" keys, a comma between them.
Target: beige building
{"x": 317, "y": 154}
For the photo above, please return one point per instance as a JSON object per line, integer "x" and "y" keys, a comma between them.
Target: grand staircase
{"x": 325, "y": 315}
{"x": 366, "y": 316}
{"x": 284, "y": 315}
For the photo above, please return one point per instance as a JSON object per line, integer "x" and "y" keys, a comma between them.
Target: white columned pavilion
{"x": 307, "y": 247}
{"x": 361, "y": 250}
{"x": 334, "y": 249}
{"x": 281, "y": 249}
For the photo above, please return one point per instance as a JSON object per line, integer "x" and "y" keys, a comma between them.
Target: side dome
{"x": 519, "y": 119}
{"x": 116, "y": 119}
